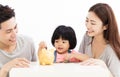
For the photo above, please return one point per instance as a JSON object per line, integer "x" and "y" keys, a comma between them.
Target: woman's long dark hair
{"x": 105, "y": 13}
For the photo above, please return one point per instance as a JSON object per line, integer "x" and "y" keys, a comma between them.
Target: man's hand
{"x": 16, "y": 63}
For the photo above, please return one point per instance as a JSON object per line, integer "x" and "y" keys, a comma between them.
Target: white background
{"x": 39, "y": 18}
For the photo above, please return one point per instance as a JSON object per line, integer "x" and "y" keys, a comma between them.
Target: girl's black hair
{"x": 66, "y": 33}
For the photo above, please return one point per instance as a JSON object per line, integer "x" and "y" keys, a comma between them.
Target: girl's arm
{"x": 77, "y": 55}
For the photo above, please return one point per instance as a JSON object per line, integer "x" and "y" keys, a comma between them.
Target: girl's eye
{"x": 63, "y": 42}
{"x": 56, "y": 41}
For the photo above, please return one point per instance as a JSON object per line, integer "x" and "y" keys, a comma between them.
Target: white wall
{"x": 39, "y": 18}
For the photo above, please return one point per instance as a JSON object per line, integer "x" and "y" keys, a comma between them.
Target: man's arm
{"x": 3, "y": 73}
{"x": 18, "y": 62}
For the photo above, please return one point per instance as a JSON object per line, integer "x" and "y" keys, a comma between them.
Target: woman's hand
{"x": 92, "y": 61}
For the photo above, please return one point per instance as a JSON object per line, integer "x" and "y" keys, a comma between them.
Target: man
{"x": 15, "y": 50}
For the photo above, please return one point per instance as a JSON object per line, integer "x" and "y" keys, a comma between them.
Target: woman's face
{"x": 61, "y": 45}
{"x": 94, "y": 25}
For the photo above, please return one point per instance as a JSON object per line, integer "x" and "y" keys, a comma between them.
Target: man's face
{"x": 8, "y": 32}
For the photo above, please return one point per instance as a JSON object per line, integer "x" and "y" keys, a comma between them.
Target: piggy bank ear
{"x": 52, "y": 50}
{"x": 44, "y": 50}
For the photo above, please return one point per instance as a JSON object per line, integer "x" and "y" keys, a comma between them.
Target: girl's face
{"x": 61, "y": 45}
{"x": 94, "y": 25}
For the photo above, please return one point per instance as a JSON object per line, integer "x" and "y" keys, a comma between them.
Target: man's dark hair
{"x": 6, "y": 13}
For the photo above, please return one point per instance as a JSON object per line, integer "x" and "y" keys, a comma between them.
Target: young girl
{"x": 64, "y": 40}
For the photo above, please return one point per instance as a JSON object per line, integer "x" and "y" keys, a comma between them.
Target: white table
{"x": 59, "y": 70}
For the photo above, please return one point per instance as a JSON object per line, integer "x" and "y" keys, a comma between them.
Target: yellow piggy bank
{"x": 46, "y": 56}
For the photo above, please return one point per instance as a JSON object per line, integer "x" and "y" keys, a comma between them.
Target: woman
{"x": 102, "y": 40}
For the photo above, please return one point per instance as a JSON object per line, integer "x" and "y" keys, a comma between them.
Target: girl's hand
{"x": 68, "y": 56}
{"x": 42, "y": 45}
